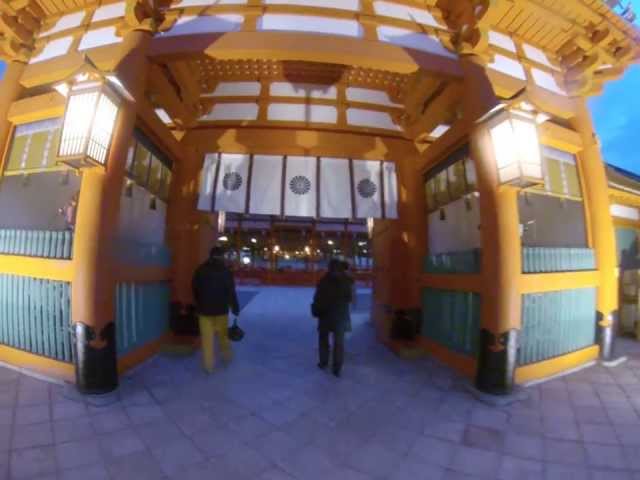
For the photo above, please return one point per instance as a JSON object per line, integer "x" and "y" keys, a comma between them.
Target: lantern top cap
{"x": 88, "y": 72}
{"x": 520, "y": 105}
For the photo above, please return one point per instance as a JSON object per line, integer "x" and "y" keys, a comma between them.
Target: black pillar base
{"x": 183, "y": 320}
{"x": 606, "y": 336}
{"x": 497, "y": 362}
{"x": 405, "y": 325}
{"x": 96, "y": 368}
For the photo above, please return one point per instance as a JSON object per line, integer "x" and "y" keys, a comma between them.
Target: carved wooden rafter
{"x": 590, "y": 60}
{"x": 470, "y": 22}
{"x": 148, "y": 15}
{"x": 20, "y": 20}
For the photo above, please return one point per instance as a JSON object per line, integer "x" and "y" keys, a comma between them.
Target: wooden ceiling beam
{"x": 420, "y": 87}
{"x": 210, "y": 102}
{"x": 39, "y": 107}
{"x": 160, "y": 133}
{"x": 188, "y": 79}
{"x": 164, "y": 94}
{"x": 437, "y": 109}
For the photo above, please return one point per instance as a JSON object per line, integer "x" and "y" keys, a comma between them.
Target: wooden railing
{"x": 36, "y": 243}
{"x": 142, "y": 314}
{"x": 35, "y": 316}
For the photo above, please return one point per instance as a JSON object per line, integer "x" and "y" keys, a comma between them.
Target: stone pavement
{"x": 272, "y": 415}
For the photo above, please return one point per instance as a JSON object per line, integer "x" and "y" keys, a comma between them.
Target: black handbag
{"x": 235, "y": 333}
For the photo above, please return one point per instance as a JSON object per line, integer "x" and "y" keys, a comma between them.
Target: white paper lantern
{"x": 516, "y": 147}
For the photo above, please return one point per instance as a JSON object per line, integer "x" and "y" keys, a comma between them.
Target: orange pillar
{"x": 10, "y": 90}
{"x": 406, "y": 264}
{"x": 501, "y": 244}
{"x": 602, "y": 229}
{"x": 94, "y": 282}
{"x": 396, "y": 250}
{"x": 191, "y": 235}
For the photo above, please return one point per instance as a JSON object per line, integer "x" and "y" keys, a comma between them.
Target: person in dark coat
{"x": 330, "y": 305}
{"x": 214, "y": 293}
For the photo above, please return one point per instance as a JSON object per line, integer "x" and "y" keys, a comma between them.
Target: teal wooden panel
{"x": 142, "y": 314}
{"x": 23, "y": 309}
{"x": 453, "y": 262}
{"x": 63, "y": 307}
{"x": 626, "y": 239}
{"x": 556, "y": 323}
{"x": 34, "y": 316}
{"x": 138, "y": 253}
{"x": 545, "y": 259}
{"x": 33, "y": 322}
{"x": 37, "y": 243}
{"x": 452, "y": 319}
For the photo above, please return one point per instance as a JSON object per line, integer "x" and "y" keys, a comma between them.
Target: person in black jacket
{"x": 330, "y": 305}
{"x": 214, "y": 293}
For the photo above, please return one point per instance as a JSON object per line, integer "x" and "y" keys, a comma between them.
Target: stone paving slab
{"x": 272, "y": 415}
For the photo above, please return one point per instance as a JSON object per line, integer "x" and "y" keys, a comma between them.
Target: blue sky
{"x": 616, "y": 114}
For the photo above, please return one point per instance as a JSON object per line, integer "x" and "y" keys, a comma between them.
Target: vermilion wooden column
{"x": 94, "y": 254}
{"x": 396, "y": 251}
{"x": 10, "y": 90}
{"x": 191, "y": 235}
{"x": 501, "y": 244}
{"x": 596, "y": 192}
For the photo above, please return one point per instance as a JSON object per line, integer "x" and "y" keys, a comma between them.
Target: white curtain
{"x": 300, "y": 187}
{"x": 266, "y": 185}
{"x": 335, "y": 188}
{"x": 390, "y": 190}
{"x": 372, "y": 182}
{"x": 207, "y": 178}
{"x": 367, "y": 188}
{"x": 233, "y": 177}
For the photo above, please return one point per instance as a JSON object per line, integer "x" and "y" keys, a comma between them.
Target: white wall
{"x": 137, "y": 222}
{"x": 141, "y": 230}
{"x": 459, "y": 231}
{"x": 35, "y": 205}
{"x": 551, "y": 222}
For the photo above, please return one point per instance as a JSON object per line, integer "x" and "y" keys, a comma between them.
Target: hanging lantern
{"x": 93, "y": 104}
{"x": 516, "y": 146}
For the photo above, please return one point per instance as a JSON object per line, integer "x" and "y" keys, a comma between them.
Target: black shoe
{"x": 336, "y": 373}
{"x": 322, "y": 366}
